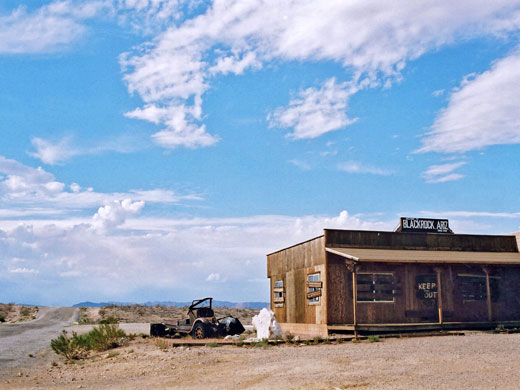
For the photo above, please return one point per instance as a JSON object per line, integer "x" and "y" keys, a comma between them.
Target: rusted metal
{"x": 200, "y": 324}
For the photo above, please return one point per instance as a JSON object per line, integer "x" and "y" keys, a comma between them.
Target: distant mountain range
{"x": 226, "y": 304}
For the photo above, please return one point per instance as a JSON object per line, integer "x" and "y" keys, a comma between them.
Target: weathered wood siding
{"x": 292, "y": 265}
{"x": 408, "y": 308}
{"x": 425, "y": 241}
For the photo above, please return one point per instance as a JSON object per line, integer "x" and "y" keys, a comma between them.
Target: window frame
{"x": 309, "y": 279}
{"x": 277, "y": 294}
{"x": 493, "y": 284}
{"x": 375, "y": 300}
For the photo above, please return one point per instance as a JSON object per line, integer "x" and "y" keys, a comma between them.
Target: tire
{"x": 200, "y": 331}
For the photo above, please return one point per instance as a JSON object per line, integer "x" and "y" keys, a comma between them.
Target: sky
{"x": 157, "y": 150}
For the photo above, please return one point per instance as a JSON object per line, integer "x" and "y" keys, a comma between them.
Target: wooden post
{"x": 488, "y": 295}
{"x": 439, "y": 294}
{"x": 354, "y": 300}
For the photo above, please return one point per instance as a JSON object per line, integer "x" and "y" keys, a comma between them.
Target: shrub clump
{"x": 101, "y": 338}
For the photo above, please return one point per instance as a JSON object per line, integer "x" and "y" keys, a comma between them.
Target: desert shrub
{"x": 71, "y": 348}
{"x": 289, "y": 338}
{"x": 109, "y": 320}
{"x": 25, "y": 312}
{"x": 2, "y": 318}
{"x": 105, "y": 337}
{"x": 264, "y": 343}
{"x": 102, "y": 312}
{"x": 373, "y": 339}
{"x": 500, "y": 329}
{"x": 101, "y": 338}
{"x": 317, "y": 340}
{"x": 212, "y": 344}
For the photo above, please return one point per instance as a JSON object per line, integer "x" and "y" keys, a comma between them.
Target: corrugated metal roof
{"x": 420, "y": 256}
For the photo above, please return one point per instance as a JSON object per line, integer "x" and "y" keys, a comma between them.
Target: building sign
{"x": 426, "y": 286}
{"x": 424, "y": 225}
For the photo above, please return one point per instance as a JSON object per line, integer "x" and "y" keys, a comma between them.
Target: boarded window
{"x": 313, "y": 288}
{"x": 376, "y": 287}
{"x": 278, "y": 297}
{"x": 473, "y": 287}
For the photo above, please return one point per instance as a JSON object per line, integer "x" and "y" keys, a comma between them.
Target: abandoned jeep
{"x": 201, "y": 323}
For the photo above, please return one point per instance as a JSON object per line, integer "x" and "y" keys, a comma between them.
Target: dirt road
{"x": 18, "y": 341}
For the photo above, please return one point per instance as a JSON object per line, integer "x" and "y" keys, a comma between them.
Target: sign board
{"x": 425, "y": 225}
{"x": 426, "y": 286}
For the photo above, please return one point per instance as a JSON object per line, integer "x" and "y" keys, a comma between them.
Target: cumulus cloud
{"x": 443, "y": 173}
{"x": 357, "y": 167}
{"x": 170, "y": 258}
{"x": 482, "y": 112}
{"x": 374, "y": 41}
{"x": 315, "y": 111}
{"x": 112, "y": 215}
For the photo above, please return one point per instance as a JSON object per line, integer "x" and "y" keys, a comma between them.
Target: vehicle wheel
{"x": 200, "y": 331}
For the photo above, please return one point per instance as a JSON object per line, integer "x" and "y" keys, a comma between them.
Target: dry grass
{"x": 158, "y": 313}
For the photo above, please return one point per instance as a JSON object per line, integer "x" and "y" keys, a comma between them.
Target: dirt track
{"x": 19, "y": 340}
{"x": 477, "y": 361}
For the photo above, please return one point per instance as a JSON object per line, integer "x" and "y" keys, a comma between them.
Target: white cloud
{"x": 315, "y": 112}
{"x": 24, "y": 188}
{"x": 172, "y": 258}
{"x": 214, "y": 277}
{"x": 49, "y": 28}
{"x": 443, "y": 173}
{"x": 24, "y": 271}
{"x": 62, "y": 150}
{"x": 373, "y": 40}
{"x": 304, "y": 166}
{"x": 357, "y": 167}
{"x": 482, "y": 112}
{"x": 52, "y": 153}
{"x": 112, "y": 215}
{"x": 472, "y": 214}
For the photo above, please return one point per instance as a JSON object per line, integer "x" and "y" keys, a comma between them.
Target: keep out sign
{"x": 426, "y": 286}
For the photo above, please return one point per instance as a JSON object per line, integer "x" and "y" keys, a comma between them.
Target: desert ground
{"x": 475, "y": 360}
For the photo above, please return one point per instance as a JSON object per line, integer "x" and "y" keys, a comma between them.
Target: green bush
{"x": 71, "y": 348}
{"x": 109, "y": 320}
{"x": 101, "y": 338}
{"x": 373, "y": 339}
{"x": 106, "y": 336}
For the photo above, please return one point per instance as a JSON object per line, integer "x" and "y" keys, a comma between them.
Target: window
{"x": 376, "y": 287}
{"x": 473, "y": 287}
{"x": 278, "y": 293}
{"x": 313, "y": 288}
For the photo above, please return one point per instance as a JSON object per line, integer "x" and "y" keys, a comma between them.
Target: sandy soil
{"x": 150, "y": 314}
{"x": 10, "y": 313}
{"x": 475, "y": 361}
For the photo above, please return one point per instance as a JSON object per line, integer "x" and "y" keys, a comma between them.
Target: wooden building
{"x": 419, "y": 277}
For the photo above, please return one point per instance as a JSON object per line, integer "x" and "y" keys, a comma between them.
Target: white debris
{"x": 234, "y": 337}
{"x": 266, "y": 325}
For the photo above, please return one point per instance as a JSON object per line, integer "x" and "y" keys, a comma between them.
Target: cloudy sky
{"x": 158, "y": 149}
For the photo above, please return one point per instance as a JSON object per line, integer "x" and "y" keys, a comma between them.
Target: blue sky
{"x": 158, "y": 149}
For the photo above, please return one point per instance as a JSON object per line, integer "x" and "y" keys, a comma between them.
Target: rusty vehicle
{"x": 201, "y": 323}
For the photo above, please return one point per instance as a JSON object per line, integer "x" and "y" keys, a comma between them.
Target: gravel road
{"x": 19, "y": 340}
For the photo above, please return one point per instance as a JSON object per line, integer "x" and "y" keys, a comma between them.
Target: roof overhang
{"x": 425, "y": 256}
